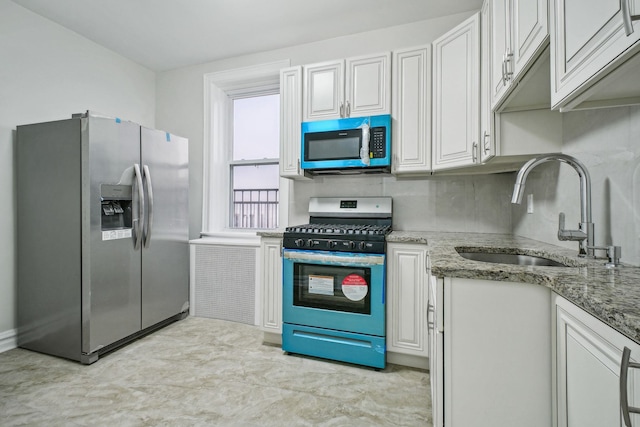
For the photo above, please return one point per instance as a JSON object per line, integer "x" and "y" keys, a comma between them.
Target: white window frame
{"x": 220, "y": 88}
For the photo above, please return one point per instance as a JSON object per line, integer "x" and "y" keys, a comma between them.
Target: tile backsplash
{"x": 608, "y": 143}
{"x": 447, "y": 203}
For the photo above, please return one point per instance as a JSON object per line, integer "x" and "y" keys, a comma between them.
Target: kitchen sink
{"x": 509, "y": 258}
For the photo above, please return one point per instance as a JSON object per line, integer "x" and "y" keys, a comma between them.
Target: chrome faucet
{"x": 584, "y": 234}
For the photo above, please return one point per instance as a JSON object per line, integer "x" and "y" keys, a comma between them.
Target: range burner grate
{"x": 331, "y": 229}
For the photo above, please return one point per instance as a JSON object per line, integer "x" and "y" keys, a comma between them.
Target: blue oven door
{"x": 334, "y": 290}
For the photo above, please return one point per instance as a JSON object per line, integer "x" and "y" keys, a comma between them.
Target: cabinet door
{"x": 588, "y": 355}
{"x": 436, "y": 345}
{"x": 587, "y": 37}
{"x": 500, "y": 48}
{"x": 529, "y": 23}
{"x": 290, "y": 119}
{"x": 368, "y": 80}
{"x": 271, "y": 275}
{"x": 412, "y": 111}
{"x": 407, "y": 299}
{"x": 323, "y": 90}
{"x": 456, "y": 91}
{"x": 487, "y": 137}
{"x": 497, "y": 353}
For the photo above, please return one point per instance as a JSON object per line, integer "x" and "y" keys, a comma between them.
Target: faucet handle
{"x": 573, "y": 235}
{"x": 614, "y": 253}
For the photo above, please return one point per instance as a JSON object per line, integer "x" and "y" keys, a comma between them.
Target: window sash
{"x": 220, "y": 88}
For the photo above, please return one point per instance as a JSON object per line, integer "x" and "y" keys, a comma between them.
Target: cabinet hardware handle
{"x": 625, "y": 364}
{"x": 342, "y": 109}
{"x": 475, "y": 152}
{"x": 507, "y": 67}
{"x": 348, "y": 109}
{"x": 487, "y": 148}
{"x": 504, "y": 70}
{"x": 627, "y": 18}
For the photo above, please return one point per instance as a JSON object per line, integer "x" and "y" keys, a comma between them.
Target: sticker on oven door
{"x": 355, "y": 287}
{"x": 321, "y": 285}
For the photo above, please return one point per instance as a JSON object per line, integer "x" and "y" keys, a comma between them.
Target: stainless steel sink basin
{"x": 505, "y": 258}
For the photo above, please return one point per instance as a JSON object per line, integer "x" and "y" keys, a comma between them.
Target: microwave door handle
{"x": 364, "y": 149}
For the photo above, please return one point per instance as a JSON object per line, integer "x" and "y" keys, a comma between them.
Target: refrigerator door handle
{"x": 149, "y": 221}
{"x": 138, "y": 219}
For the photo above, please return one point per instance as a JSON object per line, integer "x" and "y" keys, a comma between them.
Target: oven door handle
{"x": 334, "y": 258}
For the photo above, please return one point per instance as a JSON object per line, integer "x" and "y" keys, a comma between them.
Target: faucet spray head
{"x": 518, "y": 192}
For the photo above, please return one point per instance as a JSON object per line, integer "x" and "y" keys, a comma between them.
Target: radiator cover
{"x": 224, "y": 279}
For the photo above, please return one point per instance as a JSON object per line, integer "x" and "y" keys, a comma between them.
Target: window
{"x": 254, "y": 165}
{"x": 242, "y": 187}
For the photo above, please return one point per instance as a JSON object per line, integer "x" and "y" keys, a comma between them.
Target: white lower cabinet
{"x": 497, "y": 354}
{"x": 407, "y": 296}
{"x": 587, "y": 375}
{"x": 436, "y": 345}
{"x": 271, "y": 287}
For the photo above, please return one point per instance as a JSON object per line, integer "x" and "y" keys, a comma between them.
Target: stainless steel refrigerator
{"x": 102, "y": 234}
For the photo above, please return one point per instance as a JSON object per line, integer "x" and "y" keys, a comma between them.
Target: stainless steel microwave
{"x": 352, "y": 145}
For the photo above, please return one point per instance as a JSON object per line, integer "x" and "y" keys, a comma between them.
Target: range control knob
{"x": 362, "y": 246}
{"x": 299, "y": 243}
{"x": 352, "y": 244}
{"x": 310, "y": 243}
{"x": 332, "y": 244}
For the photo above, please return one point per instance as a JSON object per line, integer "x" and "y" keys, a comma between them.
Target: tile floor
{"x": 207, "y": 372}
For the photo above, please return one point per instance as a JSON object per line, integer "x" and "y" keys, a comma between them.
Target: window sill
{"x": 239, "y": 238}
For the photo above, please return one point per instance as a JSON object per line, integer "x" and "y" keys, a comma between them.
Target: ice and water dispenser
{"x": 116, "y": 210}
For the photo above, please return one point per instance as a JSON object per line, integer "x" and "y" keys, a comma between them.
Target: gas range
{"x": 357, "y": 225}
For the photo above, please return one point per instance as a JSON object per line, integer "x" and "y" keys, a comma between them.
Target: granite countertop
{"x": 610, "y": 294}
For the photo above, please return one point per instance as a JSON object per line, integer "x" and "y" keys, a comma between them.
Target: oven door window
{"x": 331, "y": 287}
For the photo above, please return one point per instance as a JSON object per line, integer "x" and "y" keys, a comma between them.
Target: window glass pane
{"x": 256, "y": 127}
{"x": 255, "y": 196}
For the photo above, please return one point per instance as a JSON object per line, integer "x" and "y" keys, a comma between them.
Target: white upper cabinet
{"x": 529, "y": 23}
{"x": 487, "y": 137}
{"x": 589, "y": 41}
{"x": 500, "y": 47}
{"x": 290, "y": 119}
{"x": 411, "y": 108}
{"x": 519, "y": 33}
{"x": 323, "y": 90}
{"x": 367, "y": 85}
{"x": 354, "y": 87}
{"x": 456, "y": 92}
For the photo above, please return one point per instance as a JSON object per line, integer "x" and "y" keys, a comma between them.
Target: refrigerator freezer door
{"x": 111, "y": 266}
{"x": 49, "y": 214}
{"x": 165, "y": 256}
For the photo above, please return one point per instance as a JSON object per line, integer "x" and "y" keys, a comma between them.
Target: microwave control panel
{"x": 377, "y": 143}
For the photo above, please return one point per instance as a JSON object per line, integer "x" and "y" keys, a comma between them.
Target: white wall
{"x": 608, "y": 143}
{"x": 180, "y": 109}
{"x": 48, "y": 73}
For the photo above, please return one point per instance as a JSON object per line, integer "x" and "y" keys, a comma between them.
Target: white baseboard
{"x": 8, "y": 340}
{"x": 408, "y": 360}
{"x": 272, "y": 338}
